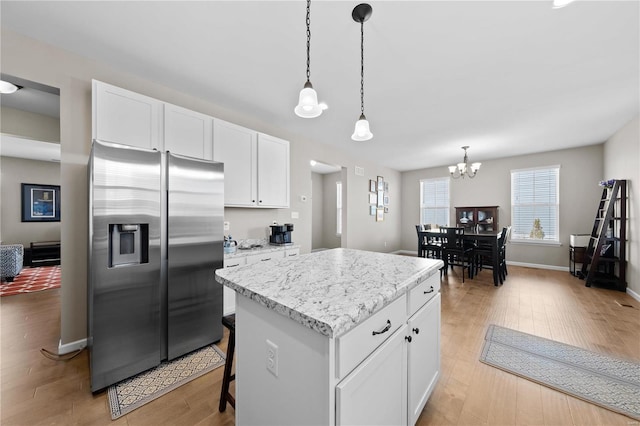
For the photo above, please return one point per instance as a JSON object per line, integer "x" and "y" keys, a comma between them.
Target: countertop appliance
{"x": 281, "y": 234}
{"x": 155, "y": 240}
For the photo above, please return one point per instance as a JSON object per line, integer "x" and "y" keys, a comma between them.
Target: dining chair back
{"x": 455, "y": 252}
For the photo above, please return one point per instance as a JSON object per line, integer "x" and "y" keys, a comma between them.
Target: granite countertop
{"x": 330, "y": 291}
{"x": 265, "y": 247}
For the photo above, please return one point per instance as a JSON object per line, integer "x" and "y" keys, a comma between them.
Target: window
{"x": 434, "y": 201}
{"x": 535, "y": 204}
{"x": 338, "y": 208}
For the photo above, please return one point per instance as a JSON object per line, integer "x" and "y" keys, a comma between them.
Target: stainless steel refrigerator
{"x": 155, "y": 241}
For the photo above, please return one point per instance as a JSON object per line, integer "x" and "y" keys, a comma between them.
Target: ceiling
{"x": 504, "y": 77}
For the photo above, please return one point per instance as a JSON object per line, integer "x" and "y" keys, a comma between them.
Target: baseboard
{"x": 633, "y": 294}
{"x": 408, "y": 252}
{"x": 539, "y": 266}
{"x": 71, "y": 347}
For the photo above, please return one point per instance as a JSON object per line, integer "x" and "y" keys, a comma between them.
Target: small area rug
{"x": 606, "y": 381}
{"x": 136, "y": 391}
{"x": 32, "y": 279}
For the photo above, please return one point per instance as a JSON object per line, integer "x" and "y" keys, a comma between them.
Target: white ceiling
{"x": 505, "y": 77}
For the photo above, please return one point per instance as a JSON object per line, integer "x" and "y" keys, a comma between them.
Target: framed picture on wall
{"x": 372, "y": 185}
{"x": 373, "y": 199}
{"x": 386, "y": 209}
{"x": 372, "y": 210}
{"x": 40, "y": 203}
{"x": 380, "y": 183}
{"x": 379, "y": 215}
{"x": 380, "y": 198}
{"x": 385, "y": 200}
{"x": 386, "y": 186}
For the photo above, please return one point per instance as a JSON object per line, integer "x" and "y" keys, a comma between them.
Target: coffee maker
{"x": 281, "y": 234}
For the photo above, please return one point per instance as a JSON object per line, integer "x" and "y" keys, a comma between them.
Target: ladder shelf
{"x": 605, "y": 257}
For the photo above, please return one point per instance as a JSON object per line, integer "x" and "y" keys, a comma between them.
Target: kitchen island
{"x": 335, "y": 337}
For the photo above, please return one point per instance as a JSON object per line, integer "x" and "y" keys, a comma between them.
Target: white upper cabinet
{"x": 256, "y": 166}
{"x": 188, "y": 132}
{"x": 273, "y": 172}
{"x": 125, "y": 117}
{"x": 235, "y": 146}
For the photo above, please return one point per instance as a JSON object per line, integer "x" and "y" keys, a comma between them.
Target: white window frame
{"x": 444, "y": 205}
{"x": 518, "y": 236}
{"x": 338, "y": 208}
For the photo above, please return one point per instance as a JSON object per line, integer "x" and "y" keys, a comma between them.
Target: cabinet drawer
{"x": 423, "y": 293}
{"x": 238, "y": 261}
{"x": 265, "y": 257}
{"x": 291, "y": 253}
{"x": 357, "y": 344}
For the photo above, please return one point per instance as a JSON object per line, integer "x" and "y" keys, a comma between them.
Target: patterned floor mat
{"x": 32, "y": 279}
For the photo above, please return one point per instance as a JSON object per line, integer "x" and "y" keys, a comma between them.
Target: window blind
{"x": 535, "y": 204}
{"x": 434, "y": 201}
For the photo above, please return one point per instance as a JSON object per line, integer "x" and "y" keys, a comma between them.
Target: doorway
{"x": 328, "y": 195}
{"x": 30, "y": 131}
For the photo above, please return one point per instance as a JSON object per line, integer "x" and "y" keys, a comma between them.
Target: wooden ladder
{"x": 598, "y": 249}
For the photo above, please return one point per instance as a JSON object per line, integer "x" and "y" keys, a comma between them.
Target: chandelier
{"x": 464, "y": 168}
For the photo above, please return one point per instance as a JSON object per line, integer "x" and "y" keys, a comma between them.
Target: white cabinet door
{"x": 273, "y": 172}
{"x": 228, "y": 295}
{"x": 235, "y": 146}
{"x": 125, "y": 117}
{"x": 292, "y": 253}
{"x": 375, "y": 392}
{"x": 188, "y": 132}
{"x": 423, "y": 356}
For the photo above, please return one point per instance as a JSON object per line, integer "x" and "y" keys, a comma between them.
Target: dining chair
{"x": 484, "y": 256}
{"x": 428, "y": 246}
{"x": 456, "y": 252}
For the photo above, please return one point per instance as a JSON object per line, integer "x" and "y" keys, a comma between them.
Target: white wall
{"x": 580, "y": 171}
{"x": 317, "y": 200}
{"x": 31, "y": 125}
{"x": 622, "y": 161}
{"x": 37, "y": 61}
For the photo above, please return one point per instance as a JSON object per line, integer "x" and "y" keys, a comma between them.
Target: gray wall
{"x": 580, "y": 171}
{"x": 30, "y": 125}
{"x": 622, "y": 161}
{"x": 14, "y": 172}
{"x": 37, "y": 61}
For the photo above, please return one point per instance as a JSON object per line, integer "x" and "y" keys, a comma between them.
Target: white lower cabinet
{"x": 228, "y": 295}
{"x": 381, "y": 372}
{"x": 375, "y": 392}
{"x": 423, "y": 356}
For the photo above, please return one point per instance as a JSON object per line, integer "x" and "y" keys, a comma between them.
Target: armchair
{"x": 10, "y": 261}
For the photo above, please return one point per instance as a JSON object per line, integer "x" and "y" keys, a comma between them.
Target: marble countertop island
{"x": 330, "y": 291}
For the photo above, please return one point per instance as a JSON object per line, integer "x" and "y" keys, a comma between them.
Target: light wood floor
{"x": 35, "y": 390}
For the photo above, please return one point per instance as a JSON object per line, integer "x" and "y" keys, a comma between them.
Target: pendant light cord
{"x": 308, "y": 39}
{"x": 362, "y": 67}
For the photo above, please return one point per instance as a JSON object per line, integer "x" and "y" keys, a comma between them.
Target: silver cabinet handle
{"x": 233, "y": 266}
{"x": 264, "y": 260}
{"x": 384, "y": 330}
{"x": 430, "y": 290}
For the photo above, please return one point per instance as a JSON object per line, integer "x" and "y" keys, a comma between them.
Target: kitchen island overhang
{"x": 312, "y": 309}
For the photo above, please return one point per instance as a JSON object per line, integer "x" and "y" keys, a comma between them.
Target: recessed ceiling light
{"x": 6, "y": 87}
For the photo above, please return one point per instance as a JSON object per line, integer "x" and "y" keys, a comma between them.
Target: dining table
{"x": 488, "y": 238}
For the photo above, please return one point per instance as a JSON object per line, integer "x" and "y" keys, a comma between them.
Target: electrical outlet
{"x": 226, "y": 226}
{"x": 272, "y": 357}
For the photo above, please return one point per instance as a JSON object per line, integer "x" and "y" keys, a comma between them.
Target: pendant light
{"x": 361, "y": 13}
{"x": 308, "y": 102}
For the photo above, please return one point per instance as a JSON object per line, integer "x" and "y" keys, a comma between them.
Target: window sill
{"x": 536, "y": 242}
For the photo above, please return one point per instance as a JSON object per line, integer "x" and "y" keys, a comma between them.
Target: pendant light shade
{"x": 362, "y": 132}
{"x": 361, "y": 13}
{"x": 308, "y": 101}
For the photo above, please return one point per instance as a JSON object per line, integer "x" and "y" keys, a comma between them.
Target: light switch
{"x": 295, "y": 215}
